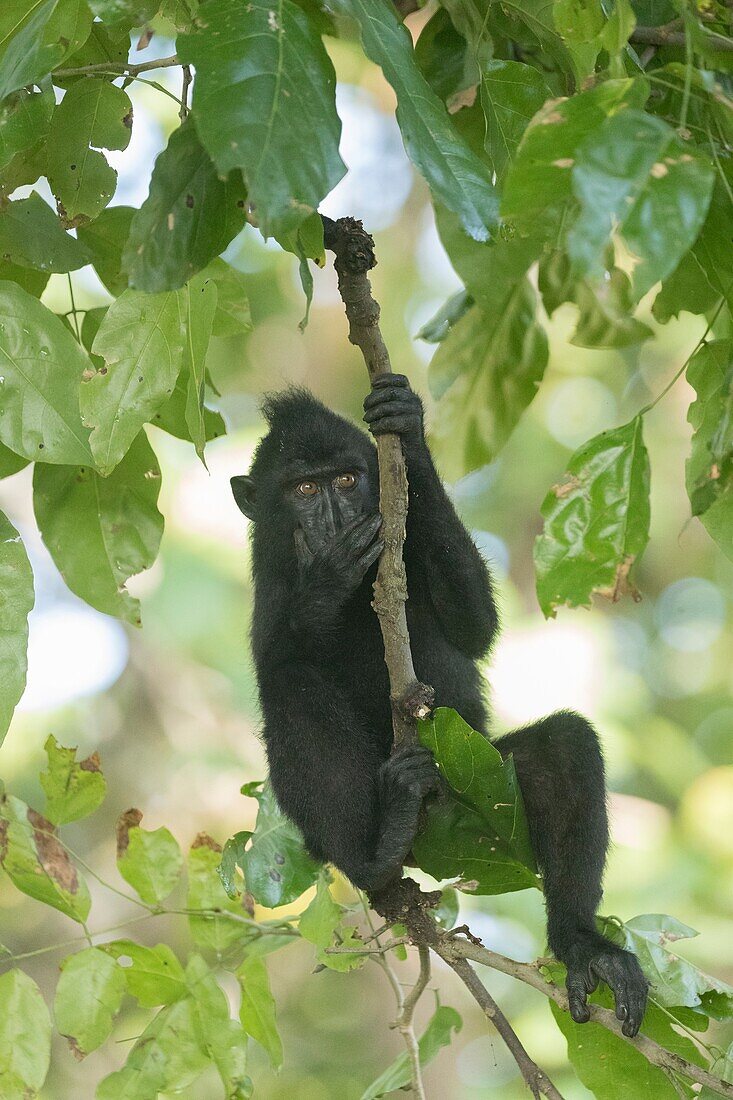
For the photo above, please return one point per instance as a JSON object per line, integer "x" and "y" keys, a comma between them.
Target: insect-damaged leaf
{"x": 150, "y": 860}
{"x": 102, "y": 531}
{"x": 73, "y": 790}
{"x": 596, "y": 521}
{"x": 153, "y": 975}
{"x": 93, "y": 115}
{"x": 36, "y": 861}
{"x": 476, "y": 828}
{"x": 16, "y": 601}
{"x": 88, "y": 997}
{"x": 264, "y": 103}
{"x": 277, "y": 868}
{"x": 188, "y": 218}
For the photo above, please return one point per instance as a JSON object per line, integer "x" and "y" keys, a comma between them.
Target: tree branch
{"x": 125, "y": 69}
{"x": 530, "y": 974}
{"x": 668, "y": 36}
{"x": 354, "y": 252}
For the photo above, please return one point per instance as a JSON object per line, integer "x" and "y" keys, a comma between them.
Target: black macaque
{"x": 312, "y": 495}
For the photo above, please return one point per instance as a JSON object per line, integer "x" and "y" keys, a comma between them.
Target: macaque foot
{"x": 593, "y": 958}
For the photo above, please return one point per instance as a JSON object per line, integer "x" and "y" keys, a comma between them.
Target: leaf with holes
{"x": 141, "y": 341}
{"x": 93, "y": 115}
{"x": 277, "y": 868}
{"x": 37, "y": 863}
{"x": 188, "y": 218}
{"x": 153, "y": 975}
{"x": 16, "y": 602}
{"x": 596, "y": 522}
{"x": 264, "y": 103}
{"x": 41, "y": 365}
{"x": 101, "y": 531}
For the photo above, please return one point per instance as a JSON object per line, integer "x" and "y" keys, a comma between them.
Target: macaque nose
{"x": 330, "y": 514}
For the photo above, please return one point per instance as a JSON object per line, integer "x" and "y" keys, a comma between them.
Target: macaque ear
{"x": 245, "y": 494}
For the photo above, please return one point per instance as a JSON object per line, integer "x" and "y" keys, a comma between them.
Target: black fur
{"x": 325, "y": 692}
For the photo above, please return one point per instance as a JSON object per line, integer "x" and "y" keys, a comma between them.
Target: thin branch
{"x": 417, "y": 990}
{"x": 126, "y": 69}
{"x": 664, "y": 36}
{"x": 536, "y": 1079}
{"x": 530, "y": 974}
{"x": 354, "y": 252}
{"x": 187, "y": 78}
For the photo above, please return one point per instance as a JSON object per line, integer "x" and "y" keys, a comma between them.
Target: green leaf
{"x": 232, "y": 316}
{"x": 36, "y": 37}
{"x": 476, "y": 828}
{"x": 344, "y": 961}
{"x": 24, "y": 121}
{"x": 264, "y": 103}
{"x": 224, "y": 1039}
{"x": 486, "y": 372}
{"x": 102, "y": 531}
{"x": 511, "y": 94}
{"x": 150, "y": 861}
{"x": 171, "y": 417}
{"x": 257, "y": 1008}
{"x": 444, "y": 58}
{"x": 127, "y": 13}
{"x": 580, "y": 23}
{"x": 306, "y": 242}
{"x": 37, "y": 863}
{"x": 189, "y": 217}
{"x": 446, "y": 914}
{"x": 709, "y": 469}
{"x": 722, "y": 1067}
{"x": 32, "y": 236}
{"x": 141, "y": 340}
{"x": 206, "y": 891}
{"x": 88, "y": 997}
{"x": 277, "y": 868}
{"x": 167, "y": 1057}
{"x": 437, "y": 328}
{"x": 16, "y": 601}
{"x": 438, "y": 1034}
{"x": 72, "y": 790}
{"x": 606, "y": 313}
{"x": 104, "y": 241}
{"x": 634, "y": 177}
{"x": 596, "y": 522}
{"x": 674, "y": 980}
{"x": 455, "y": 174}
{"x": 93, "y": 115}
{"x": 232, "y": 857}
{"x": 41, "y": 365}
{"x": 319, "y": 921}
{"x": 10, "y": 462}
{"x": 539, "y": 182}
{"x": 105, "y": 46}
{"x": 153, "y": 975}
{"x": 199, "y": 303}
{"x": 25, "y": 1036}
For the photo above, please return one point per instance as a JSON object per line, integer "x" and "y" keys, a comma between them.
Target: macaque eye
{"x": 307, "y": 488}
{"x": 345, "y": 481}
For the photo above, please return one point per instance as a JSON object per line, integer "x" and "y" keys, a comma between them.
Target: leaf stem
{"x": 121, "y": 70}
